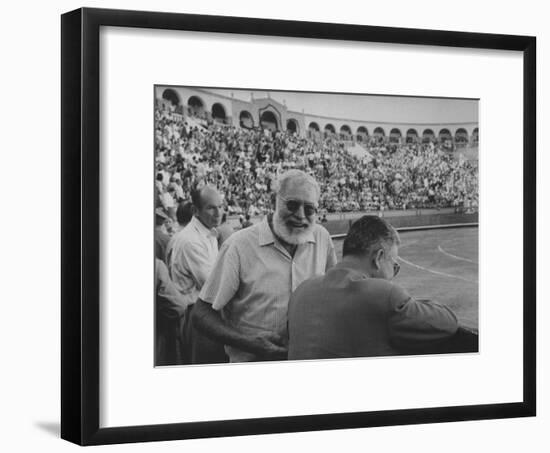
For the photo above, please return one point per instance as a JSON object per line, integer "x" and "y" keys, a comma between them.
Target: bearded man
{"x": 244, "y": 302}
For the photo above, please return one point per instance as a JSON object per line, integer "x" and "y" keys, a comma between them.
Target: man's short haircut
{"x": 184, "y": 213}
{"x": 296, "y": 176}
{"x": 367, "y": 234}
{"x": 196, "y": 195}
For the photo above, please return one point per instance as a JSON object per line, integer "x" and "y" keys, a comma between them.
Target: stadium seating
{"x": 244, "y": 163}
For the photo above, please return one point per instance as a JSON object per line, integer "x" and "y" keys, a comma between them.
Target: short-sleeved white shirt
{"x": 193, "y": 253}
{"x": 254, "y": 276}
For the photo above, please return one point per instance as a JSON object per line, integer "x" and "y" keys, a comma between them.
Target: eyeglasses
{"x": 293, "y": 206}
{"x": 396, "y": 267}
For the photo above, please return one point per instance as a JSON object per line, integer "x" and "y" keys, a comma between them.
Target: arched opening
{"x": 428, "y": 136}
{"x": 313, "y": 130}
{"x": 412, "y": 136}
{"x": 445, "y": 134}
{"x": 218, "y": 113}
{"x": 395, "y": 135}
{"x": 313, "y": 126}
{"x": 292, "y": 126}
{"x": 268, "y": 120}
{"x": 475, "y": 136}
{"x": 379, "y": 134}
{"x": 461, "y": 137}
{"x": 329, "y": 130}
{"x": 195, "y": 106}
{"x": 345, "y": 132}
{"x": 446, "y": 139}
{"x": 362, "y": 134}
{"x": 171, "y": 96}
{"x": 246, "y": 120}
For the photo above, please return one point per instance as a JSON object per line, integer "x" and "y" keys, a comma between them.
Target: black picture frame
{"x": 80, "y": 264}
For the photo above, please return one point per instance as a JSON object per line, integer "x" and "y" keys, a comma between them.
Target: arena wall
{"x": 359, "y": 129}
{"x": 340, "y": 227}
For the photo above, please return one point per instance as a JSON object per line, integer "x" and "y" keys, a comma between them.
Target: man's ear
{"x": 377, "y": 256}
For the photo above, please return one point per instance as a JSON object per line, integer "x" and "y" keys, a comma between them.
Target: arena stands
{"x": 243, "y": 163}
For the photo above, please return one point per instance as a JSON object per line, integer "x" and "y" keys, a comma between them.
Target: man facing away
{"x": 244, "y": 302}
{"x": 355, "y": 310}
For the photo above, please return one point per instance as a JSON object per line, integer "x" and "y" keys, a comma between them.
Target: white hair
{"x": 285, "y": 178}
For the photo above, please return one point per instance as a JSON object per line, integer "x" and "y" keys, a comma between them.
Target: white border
{"x": 133, "y": 392}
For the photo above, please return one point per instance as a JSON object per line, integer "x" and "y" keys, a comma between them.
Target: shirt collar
{"x": 311, "y": 236}
{"x": 200, "y": 228}
{"x": 267, "y": 237}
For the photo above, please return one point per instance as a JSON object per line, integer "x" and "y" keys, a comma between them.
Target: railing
{"x": 338, "y": 223}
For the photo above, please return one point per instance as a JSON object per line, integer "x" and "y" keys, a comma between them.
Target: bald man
{"x": 195, "y": 249}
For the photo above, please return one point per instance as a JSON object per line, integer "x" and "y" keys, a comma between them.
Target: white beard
{"x": 293, "y": 236}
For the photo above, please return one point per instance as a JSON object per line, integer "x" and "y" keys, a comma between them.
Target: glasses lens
{"x": 293, "y": 205}
{"x": 309, "y": 209}
{"x": 396, "y": 268}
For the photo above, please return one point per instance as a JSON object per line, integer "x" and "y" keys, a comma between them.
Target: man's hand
{"x": 270, "y": 346}
{"x": 266, "y": 345}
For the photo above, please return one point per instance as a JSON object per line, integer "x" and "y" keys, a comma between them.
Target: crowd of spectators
{"x": 244, "y": 163}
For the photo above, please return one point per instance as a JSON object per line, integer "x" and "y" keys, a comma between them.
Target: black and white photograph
{"x": 293, "y": 225}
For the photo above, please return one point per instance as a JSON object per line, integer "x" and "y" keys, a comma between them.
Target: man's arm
{"x": 209, "y": 321}
{"x": 169, "y": 300}
{"x": 415, "y": 325}
{"x": 198, "y": 261}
